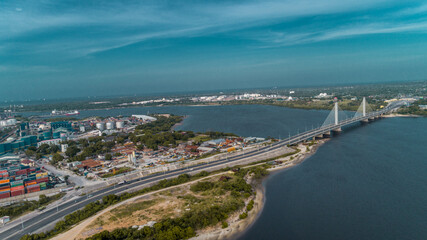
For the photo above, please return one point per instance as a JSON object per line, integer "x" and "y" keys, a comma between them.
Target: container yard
{"x": 18, "y": 179}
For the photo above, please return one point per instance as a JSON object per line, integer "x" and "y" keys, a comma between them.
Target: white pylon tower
{"x": 336, "y": 112}
{"x": 364, "y": 106}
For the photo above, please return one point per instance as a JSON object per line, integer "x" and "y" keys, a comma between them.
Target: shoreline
{"x": 237, "y": 228}
{"x": 211, "y": 105}
{"x": 402, "y": 115}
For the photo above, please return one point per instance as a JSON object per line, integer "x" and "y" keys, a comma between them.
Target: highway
{"x": 63, "y": 209}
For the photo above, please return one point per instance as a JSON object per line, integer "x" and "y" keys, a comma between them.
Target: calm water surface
{"x": 368, "y": 183}
{"x": 243, "y": 120}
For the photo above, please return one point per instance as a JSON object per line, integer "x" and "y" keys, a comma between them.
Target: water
{"x": 368, "y": 183}
{"x": 244, "y": 120}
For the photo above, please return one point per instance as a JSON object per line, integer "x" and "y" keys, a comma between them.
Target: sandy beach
{"x": 401, "y": 115}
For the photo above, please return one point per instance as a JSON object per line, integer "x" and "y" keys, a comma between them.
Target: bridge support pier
{"x": 365, "y": 121}
{"x": 320, "y": 136}
{"x": 372, "y": 119}
{"x": 337, "y": 130}
{"x": 327, "y": 134}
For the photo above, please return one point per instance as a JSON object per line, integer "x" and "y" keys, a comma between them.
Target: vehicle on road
{"x": 122, "y": 182}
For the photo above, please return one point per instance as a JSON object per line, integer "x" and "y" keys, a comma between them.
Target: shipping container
{"x": 41, "y": 174}
{"x": 31, "y": 190}
{"x": 16, "y": 183}
{"x": 21, "y": 172}
{"x": 4, "y": 181}
{"x": 17, "y": 193}
{"x": 5, "y": 189}
{"x": 4, "y": 195}
{"x": 33, "y": 186}
{"x": 30, "y": 183}
{"x": 42, "y": 180}
{"x": 30, "y": 179}
{"x": 16, "y": 188}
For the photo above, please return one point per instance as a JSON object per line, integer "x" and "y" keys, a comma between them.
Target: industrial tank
{"x": 120, "y": 125}
{"x": 110, "y": 125}
{"x": 100, "y": 126}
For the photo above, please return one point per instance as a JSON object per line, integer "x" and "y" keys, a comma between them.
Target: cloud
{"x": 83, "y": 29}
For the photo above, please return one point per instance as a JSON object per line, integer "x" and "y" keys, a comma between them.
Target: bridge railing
{"x": 323, "y": 129}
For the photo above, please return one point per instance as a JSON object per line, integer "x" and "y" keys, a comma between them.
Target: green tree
{"x": 56, "y": 158}
{"x": 108, "y": 156}
{"x": 72, "y": 151}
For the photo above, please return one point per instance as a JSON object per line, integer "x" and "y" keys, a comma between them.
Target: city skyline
{"x": 65, "y": 49}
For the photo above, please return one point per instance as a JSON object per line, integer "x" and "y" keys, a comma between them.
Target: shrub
{"x": 202, "y": 186}
{"x": 224, "y": 224}
{"x": 243, "y": 215}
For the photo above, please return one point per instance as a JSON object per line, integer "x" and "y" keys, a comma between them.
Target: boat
{"x": 64, "y": 113}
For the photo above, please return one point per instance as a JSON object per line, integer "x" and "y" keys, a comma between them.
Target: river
{"x": 243, "y": 120}
{"x": 370, "y": 182}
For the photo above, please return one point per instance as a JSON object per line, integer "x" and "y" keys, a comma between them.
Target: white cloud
{"x": 115, "y": 25}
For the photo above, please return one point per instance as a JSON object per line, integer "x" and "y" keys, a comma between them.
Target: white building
{"x": 145, "y": 117}
{"x": 64, "y": 147}
{"x": 49, "y": 142}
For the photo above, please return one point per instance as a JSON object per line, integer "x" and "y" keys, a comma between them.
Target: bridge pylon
{"x": 363, "y": 110}
{"x": 334, "y": 118}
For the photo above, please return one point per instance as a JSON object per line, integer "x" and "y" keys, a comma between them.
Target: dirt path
{"x": 74, "y": 232}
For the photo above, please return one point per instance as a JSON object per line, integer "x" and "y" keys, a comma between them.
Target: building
{"x": 63, "y": 124}
{"x": 423, "y": 107}
{"x": 50, "y": 142}
{"x": 145, "y": 117}
{"x": 89, "y": 164}
{"x": 64, "y": 147}
{"x": 27, "y": 162}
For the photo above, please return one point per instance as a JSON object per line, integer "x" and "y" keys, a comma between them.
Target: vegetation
{"x": 250, "y": 206}
{"x": 117, "y": 172}
{"x": 414, "y": 109}
{"x": 56, "y": 158}
{"x": 18, "y": 209}
{"x": 224, "y": 224}
{"x": 94, "y": 207}
{"x": 162, "y": 124}
{"x": 379, "y": 91}
{"x": 202, "y": 186}
{"x": 44, "y": 149}
{"x": 180, "y": 228}
{"x": 205, "y": 211}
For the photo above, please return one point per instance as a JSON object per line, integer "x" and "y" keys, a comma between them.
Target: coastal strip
{"x": 237, "y": 227}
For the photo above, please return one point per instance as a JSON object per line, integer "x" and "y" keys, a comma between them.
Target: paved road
{"x": 51, "y": 215}
{"x": 48, "y": 216}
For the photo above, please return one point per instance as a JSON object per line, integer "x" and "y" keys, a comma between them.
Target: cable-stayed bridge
{"x": 338, "y": 119}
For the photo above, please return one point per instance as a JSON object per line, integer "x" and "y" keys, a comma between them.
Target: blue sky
{"x": 58, "y": 49}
